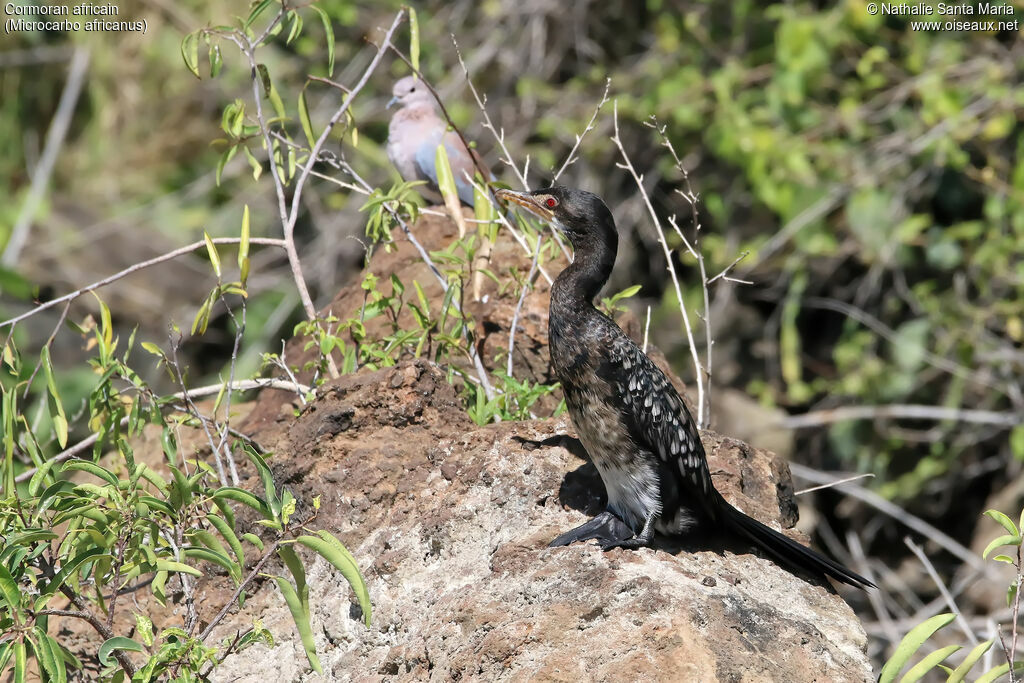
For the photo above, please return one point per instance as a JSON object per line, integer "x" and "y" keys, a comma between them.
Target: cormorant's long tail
{"x": 789, "y": 552}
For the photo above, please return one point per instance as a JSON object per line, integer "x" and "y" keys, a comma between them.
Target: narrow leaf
{"x": 190, "y": 52}
{"x": 301, "y": 619}
{"x": 1000, "y": 542}
{"x": 117, "y": 643}
{"x": 307, "y": 125}
{"x": 211, "y": 249}
{"x": 414, "y": 40}
{"x": 1005, "y": 521}
{"x": 918, "y": 671}
{"x": 910, "y": 644}
{"x": 332, "y": 550}
{"x": 970, "y": 660}
{"x": 329, "y": 34}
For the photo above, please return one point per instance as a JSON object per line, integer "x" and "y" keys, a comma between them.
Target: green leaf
{"x": 307, "y": 125}
{"x": 329, "y": 34}
{"x": 254, "y": 539}
{"x": 267, "y": 478}
{"x": 60, "y": 422}
{"x": 178, "y": 567}
{"x": 227, "y": 156}
{"x": 9, "y": 590}
{"x": 49, "y": 655}
{"x": 1000, "y": 542}
{"x": 256, "y": 12}
{"x": 931, "y": 661}
{"x": 332, "y": 550}
{"x": 1003, "y": 520}
{"x": 216, "y": 61}
{"x": 144, "y": 627}
{"x": 301, "y": 621}
{"x": 911, "y": 643}
{"x": 190, "y": 52}
{"x": 972, "y": 658}
{"x": 117, "y": 643}
{"x": 245, "y": 498}
{"x": 414, "y": 39}
{"x": 211, "y": 249}
{"x": 214, "y": 557}
{"x": 257, "y": 167}
{"x": 153, "y": 349}
{"x": 225, "y": 530}
{"x": 296, "y": 28}
{"x": 72, "y": 566}
{"x": 998, "y": 672}
{"x": 20, "y": 661}
{"x": 95, "y": 470}
{"x": 243, "y": 245}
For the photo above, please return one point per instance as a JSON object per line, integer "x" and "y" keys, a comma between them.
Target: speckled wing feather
{"x": 658, "y": 420}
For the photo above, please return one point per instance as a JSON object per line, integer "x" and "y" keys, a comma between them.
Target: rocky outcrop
{"x": 450, "y": 524}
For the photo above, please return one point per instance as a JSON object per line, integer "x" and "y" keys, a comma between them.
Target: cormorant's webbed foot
{"x": 641, "y": 540}
{"x": 608, "y": 529}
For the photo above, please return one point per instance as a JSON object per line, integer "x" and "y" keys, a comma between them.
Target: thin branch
{"x": 120, "y": 655}
{"x": 647, "y": 327}
{"x": 897, "y": 513}
{"x": 134, "y": 269}
{"x": 831, "y": 484}
{"x": 527, "y": 285}
{"x": 571, "y": 158}
{"x": 950, "y": 602}
{"x": 238, "y": 591}
{"x": 818, "y": 418}
{"x": 638, "y": 179}
{"x": 723, "y": 275}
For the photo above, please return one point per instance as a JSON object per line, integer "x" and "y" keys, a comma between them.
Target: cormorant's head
{"x": 409, "y": 91}
{"x": 581, "y": 215}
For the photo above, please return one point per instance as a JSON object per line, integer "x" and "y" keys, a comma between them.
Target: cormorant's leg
{"x": 639, "y": 541}
{"x": 606, "y": 528}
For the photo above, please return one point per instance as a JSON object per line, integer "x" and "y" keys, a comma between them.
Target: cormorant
{"x": 629, "y": 417}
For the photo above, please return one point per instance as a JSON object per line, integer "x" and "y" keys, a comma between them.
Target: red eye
{"x": 551, "y": 202}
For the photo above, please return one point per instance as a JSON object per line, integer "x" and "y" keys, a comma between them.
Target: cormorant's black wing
{"x": 658, "y": 420}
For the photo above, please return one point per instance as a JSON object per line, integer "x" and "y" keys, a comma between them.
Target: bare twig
{"x": 85, "y": 613}
{"x": 647, "y": 327}
{"x": 571, "y": 158}
{"x": 293, "y": 215}
{"x": 878, "y": 603}
{"x": 201, "y": 244}
{"x": 725, "y": 273}
{"x": 897, "y": 513}
{"x": 818, "y": 418}
{"x": 238, "y": 590}
{"x": 831, "y": 484}
{"x": 180, "y": 378}
{"x": 54, "y": 141}
{"x": 527, "y": 285}
{"x": 638, "y": 179}
{"x": 950, "y": 602}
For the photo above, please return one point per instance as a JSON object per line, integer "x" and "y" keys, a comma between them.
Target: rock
{"x": 450, "y": 523}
